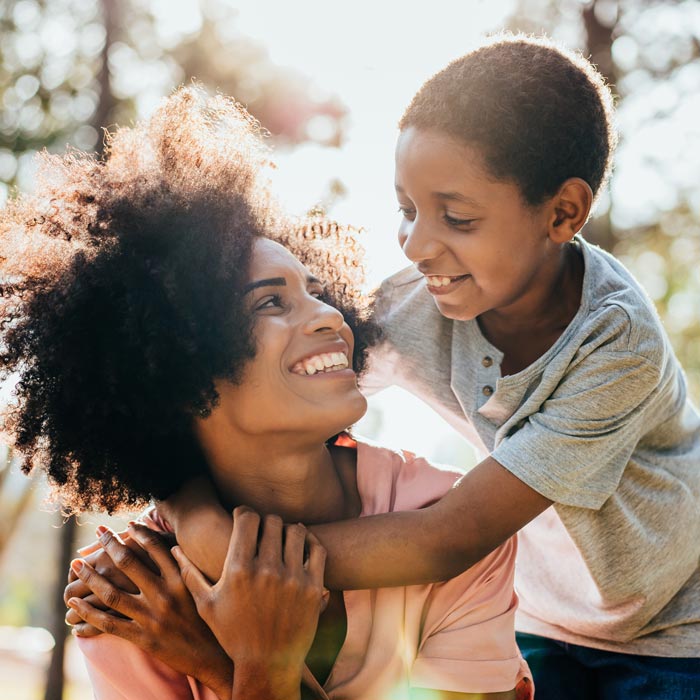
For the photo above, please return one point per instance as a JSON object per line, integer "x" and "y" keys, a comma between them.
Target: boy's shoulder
{"x": 615, "y": 305}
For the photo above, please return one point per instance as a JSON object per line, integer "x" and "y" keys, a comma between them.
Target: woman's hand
{"x": 160, "y": 617}
{"x": 103, "y": 564}
{"x": 264, "y": 609}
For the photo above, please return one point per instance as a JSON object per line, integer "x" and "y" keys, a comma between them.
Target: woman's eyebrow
{"x": 271, "y": 282}
{"x": 276, "y": 282}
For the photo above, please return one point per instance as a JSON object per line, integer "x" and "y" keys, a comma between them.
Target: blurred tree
{"x": 15, "y": 501}
{"x": 55, "y": 56}
{"x": 70, "y": 68}
{"x": 649, "y": 51}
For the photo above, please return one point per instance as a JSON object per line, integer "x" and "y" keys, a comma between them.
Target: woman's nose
{"x": 324, "y": 317}
{"x": 417, "y": 242}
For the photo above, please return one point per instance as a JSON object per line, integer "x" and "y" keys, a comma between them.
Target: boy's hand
{"x": 264, "y": 609}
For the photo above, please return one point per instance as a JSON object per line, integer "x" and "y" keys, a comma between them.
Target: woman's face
{"x": 301, "y": 379}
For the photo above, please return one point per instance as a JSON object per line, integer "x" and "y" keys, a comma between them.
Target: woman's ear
{"x": 569, "y": 209}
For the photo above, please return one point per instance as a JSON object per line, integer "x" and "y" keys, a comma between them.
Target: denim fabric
{"x": 569, "y": 672}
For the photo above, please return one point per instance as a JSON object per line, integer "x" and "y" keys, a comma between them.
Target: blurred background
{"x": 329, "y": 80}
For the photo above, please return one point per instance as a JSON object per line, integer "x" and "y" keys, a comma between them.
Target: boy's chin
{"x": 454, "y": 312}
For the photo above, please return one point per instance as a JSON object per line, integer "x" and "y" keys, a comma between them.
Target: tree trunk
{"x": 55, "y": 680}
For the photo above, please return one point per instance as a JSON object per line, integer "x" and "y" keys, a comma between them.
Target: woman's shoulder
{"x": 392, "y": 479}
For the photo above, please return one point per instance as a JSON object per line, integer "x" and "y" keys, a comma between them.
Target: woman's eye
{"x": 407, "y": 213}
{"x": 274, "y": 301}
{"x": 458, "y": 223}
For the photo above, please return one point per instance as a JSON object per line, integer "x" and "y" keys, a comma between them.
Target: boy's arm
{"x": 485, "y": 508}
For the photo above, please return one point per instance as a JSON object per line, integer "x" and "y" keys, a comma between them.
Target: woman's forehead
{"x": 269, "y": 256}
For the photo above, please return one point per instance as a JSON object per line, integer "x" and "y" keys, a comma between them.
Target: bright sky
{"x": 373, "y": 55}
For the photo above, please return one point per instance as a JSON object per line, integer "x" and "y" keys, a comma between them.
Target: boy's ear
{"x": 569, "y": 209}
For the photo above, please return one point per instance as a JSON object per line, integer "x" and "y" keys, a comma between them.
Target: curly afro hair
{"x": 539, "y": 114}
{"x": 121, "y": 297}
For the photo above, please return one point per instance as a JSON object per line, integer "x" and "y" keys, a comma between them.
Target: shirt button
{"x": 487, "y": 391}
{"x": 487, "y": 361}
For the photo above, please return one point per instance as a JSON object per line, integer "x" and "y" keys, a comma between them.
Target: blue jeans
{"x": 570, "y": 672}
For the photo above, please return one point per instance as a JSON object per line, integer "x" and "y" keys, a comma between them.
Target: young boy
{"x": 546, "y": 353}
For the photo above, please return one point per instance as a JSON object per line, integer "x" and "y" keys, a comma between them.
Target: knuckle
{"x": 268, "y": 573}
{"x": 109, "y": 625}
{"x": 68, "y": 593}
{"x": 273, "y": 521}
{"x": 246, "y": 515}
{"x": 296, "y": 530}
{"x": 319, "y": 549}
{"x": 111, "y": 597}
{"x": 147, "y": 537}
{"x": 124, "y": 558}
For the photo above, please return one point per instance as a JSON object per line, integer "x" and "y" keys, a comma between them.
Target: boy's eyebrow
{"x": 447, "y": 195}
{"x": 276, "y": 282}
{"x": 458, "y": 197}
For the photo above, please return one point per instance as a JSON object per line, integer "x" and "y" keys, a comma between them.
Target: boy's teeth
{"x": 437, "y": 281}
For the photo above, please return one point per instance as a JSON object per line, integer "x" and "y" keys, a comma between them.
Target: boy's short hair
{"x": 539, "y": 114}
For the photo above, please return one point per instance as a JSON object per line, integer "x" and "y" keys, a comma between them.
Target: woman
{"x": 165, "y": 322}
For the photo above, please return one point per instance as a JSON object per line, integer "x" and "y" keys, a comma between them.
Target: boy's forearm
{"x": 484, "y": 509}
{"x": 396, "y": 549}
{"x": 392, "y": 549}
{"x": 204, "y": 537}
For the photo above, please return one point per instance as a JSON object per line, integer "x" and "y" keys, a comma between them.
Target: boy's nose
{"x": 417, "y": 242}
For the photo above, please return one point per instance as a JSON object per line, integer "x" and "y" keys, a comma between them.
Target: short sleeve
{"x": 468, "y": 642}
{"x": 574, "y": 449}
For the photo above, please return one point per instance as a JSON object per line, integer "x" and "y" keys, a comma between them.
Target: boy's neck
{"x": 527, "y": 329}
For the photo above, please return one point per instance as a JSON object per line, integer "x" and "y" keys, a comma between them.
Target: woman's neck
{"x": 302, "y": 481}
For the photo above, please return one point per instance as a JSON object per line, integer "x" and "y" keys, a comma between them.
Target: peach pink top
{"x": 455, "y": 636}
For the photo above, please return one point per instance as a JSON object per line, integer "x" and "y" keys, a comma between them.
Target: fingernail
{"x": 77, "y": 566}
{"x": 72, "y": 602}
{"x": 82, "y": 550}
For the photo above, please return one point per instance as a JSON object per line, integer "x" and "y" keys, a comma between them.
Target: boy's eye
{"x": 458, "y": 223}
{"x": 407, "y": 213}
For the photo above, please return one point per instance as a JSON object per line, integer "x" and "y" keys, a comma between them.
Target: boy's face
{"x": 478, "y": 243}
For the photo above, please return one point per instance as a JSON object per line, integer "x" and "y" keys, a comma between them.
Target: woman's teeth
{"x": 326, "y": 362}
{"x": 438, "y": 281}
